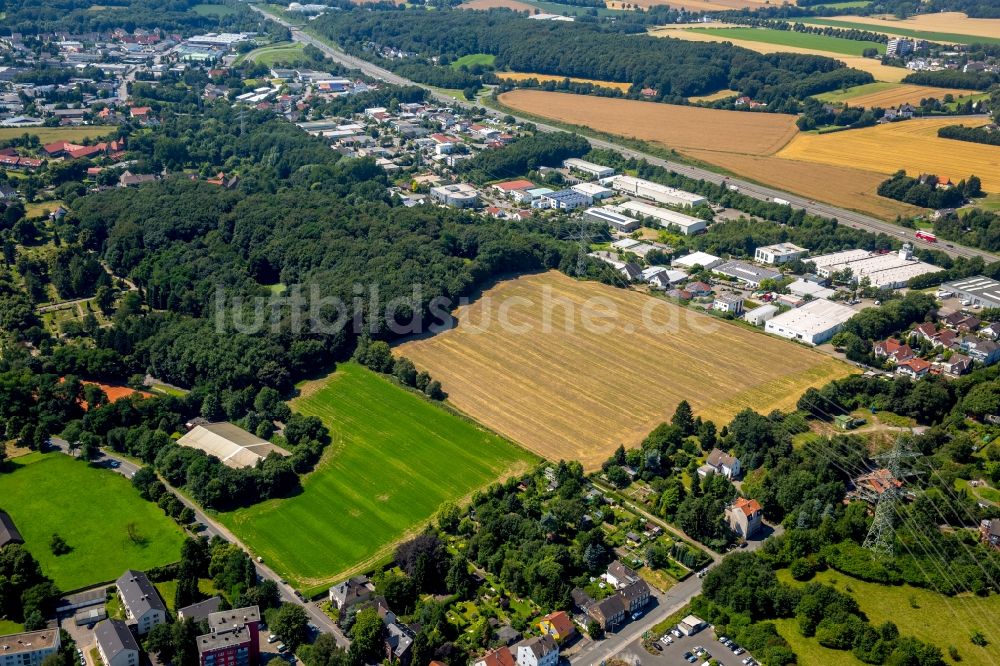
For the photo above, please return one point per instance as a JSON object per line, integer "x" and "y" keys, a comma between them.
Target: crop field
{"x": 717, "y": 95}
{"x": 394, "y": 459}
{"x": 673, "y": 126}
{"x": 515, "y": 5}
{"x": 555, "y": 365}
{"x": 946, "y": 27}
{"x": 218, "y": 11}
{"x": 98, "y": 513}
{"x": 887, "y": 95}
{"x": 871, "y": 65}
{"x": 802, "y": 40}
{"x": 912, "y": 145}
{"x": 474, "y": 59}
{"x": 927, "y": 615}
{"x": 690, "y": 5}
{"x": 50, "y": 134}
{"x": 523, "y": 76}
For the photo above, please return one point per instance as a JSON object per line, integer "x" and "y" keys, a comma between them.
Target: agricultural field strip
{"x": 522, "y": 76}
{"x": 790, "y": 38}
{"x": 892, "y": 30}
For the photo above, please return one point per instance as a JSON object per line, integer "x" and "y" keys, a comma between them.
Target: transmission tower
{"x": 584, "y": 235}
{"x": 882, "y": 534}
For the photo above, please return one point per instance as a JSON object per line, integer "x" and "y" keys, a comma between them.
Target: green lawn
{"x": 797, "y": 39}
{"x": 50, "y": 134}
{"x": 8, "y": 627}
{"x": 929, "y": 616}
{"x": 809, "y": 651}
{"x": 850, "y": 4}
{"x": 275, "y": 54}
{"x": 395, "y": 458}
{"x": 572, "y": 10}
{"x": 219, "y": 11}
{"x": 91, "y": 509}
{"x": 168, "y": 590}
{"x": 856, "y": 91}
{"x": 484, "y": 59}
{"x": 946, "y": 37}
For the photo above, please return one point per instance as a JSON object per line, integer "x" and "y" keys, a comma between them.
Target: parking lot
{"x": 673, "y": 654}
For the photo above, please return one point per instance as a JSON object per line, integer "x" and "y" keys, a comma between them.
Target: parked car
{"x": 282, "y": 648}
{"x": 272, "y": 638}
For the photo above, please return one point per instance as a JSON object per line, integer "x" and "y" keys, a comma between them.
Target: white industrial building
{"x": 593, "y": 190}
{"x": 654, "y": 191}
{"x": 687, "y": 224}
{"x": 892, "y": 270}
{"x": 779, "y": 253}
{"x": 805, "y": 288}
{"x": 978, "y": 290}
{"x": 703, "y": 259}
{"x": 824, "y": 260}
{"x": 612, "y": 219}
{"x": 746, "y": 273}
{"x": 589, "y": 168}
{"x": 461, "y": 195}
{"x": 814, "y": 323}
{"x": 761, "y": 314}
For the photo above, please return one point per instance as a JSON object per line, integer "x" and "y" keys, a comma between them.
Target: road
{"x": 846, "y": 217}
{"x": 213, "y": 528}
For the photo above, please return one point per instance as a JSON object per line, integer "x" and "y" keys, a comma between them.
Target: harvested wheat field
{"x": 492, "y": 4}
{"x": 886, "y": 95}
{"x": 912, "y": 145}
{"x": 871, "y": 65}
{"x": 689, "y": 5}
{"x": 955, "y": 22}
{"x": 717, "y": 95}
{"x": 677, "y": 127}
{"x": 568, "y": 390}
{"x": 541, "y": 78}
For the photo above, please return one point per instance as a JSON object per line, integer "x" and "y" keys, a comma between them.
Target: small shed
{"x": 8, "y": 531}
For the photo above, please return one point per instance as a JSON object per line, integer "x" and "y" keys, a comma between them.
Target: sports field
{"x": 274, "y": 54}
{"x": 912, "y": 145}
{"x": 50, "y": 134}
{"x": 395, "y": 458}
{"x": 740, "y": 142}
{"x": 574, "y": 369}
{"x": 802, "y": 40}
{"x": 92, "y": 509}
{"x": 937, "y": 619}
{"x": 523, "y": 76}
{"x": 886, "y": 95}
{"x": 946, "y": 27}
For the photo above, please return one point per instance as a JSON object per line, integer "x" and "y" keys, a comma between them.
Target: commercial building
{"x": 703, "y": 259}
{"x": 728, "y": 303}
{"x": 116, "y": 644}
{"x": 759, "y": 315}
{"x": 142, "y": 603}
{"x": 978, "y": 290}
{"x": 654, "y": 191}
{"x": 593, "y": 190}
{"x": 779, "y": 253}
{"x": 588, "y": 168}
{"x": 233, "y": 638}
{"x": 824, "y": 260}
{"x": 805, "y": 288}
{"x": 746, "y": 273}
{"x": 29, "y": 648}
{"x": 563, "y": 200}
{"x": 814, "y": 323}
{"x": 686, "y": 224}
{"x": 460, "y": 195}
{"x": 891, "y": 270}
{"x": 614, "y": 220}
{"x": 232, "y": 445}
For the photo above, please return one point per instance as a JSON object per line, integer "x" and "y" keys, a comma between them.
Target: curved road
{"x": 846, "y": 217}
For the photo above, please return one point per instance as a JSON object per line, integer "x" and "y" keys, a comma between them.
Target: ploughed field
{"x": 394, "y": 459}
{"x": 577, "y": 390}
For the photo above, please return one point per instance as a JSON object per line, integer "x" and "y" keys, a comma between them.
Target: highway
{"x": 213, "y": 528}
{"x": 846, "y": 217}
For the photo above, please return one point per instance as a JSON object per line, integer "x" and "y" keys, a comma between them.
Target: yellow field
{"x": 674, "y": 126}
{"x": 719, "y": 94}
{"x": 523, "y": 76}
{"x": 574, "y": 369}
{"x": 904, "y": 94}
{"x": 689, "y": 5}
{"x": 490, "y": 4}
{"x": 956, "y": 22}
{"x": 50, "y": 134}
{"x": 912, "y": 145}
{"x": 874, "y": 67}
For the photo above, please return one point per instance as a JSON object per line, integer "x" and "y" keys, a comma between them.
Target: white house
{"x": 28, "y": 648}
{"x": 142, "y": 603}
{"x": 779, "y": 253}
{"x": 538, "y": 651}
{"x": 116, "y": 644}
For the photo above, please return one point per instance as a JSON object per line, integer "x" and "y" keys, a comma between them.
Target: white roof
{"x": 805, "y": 288}
{"x": 692, "y": 621}
{"x": 665, "y": 216}
{"x": 782, "y": 248}
{"x": 591, "y": 189}
{"x": 703, "y": 259}
{"x": 626, "y": 243}
{"x": 814, "y": 317}
{"x": 233, "y": 445}
{"x": 824, "y": 260}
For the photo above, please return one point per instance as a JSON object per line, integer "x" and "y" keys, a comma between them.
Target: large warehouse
{"x": 646, "y": 189}
{"x": 979, "y": 290}
{"x": 814, "y": 323}
{"x": 612, "y": 219}
{"x": 687, "y": 224}
{"x": 893, "y": 269}
{"x": 233, "y": 445}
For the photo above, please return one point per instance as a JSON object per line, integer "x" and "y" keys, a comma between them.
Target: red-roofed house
{"x": 140, "y": 112}
{"x": 512, "y": 185}
{"x": 502, "y": 656}
{"x": 927, "y": 331}
{"x": 558, "y": 625}
{"x": 915, "y": 368}
{"x": 744, "y": 516}
{"x": 893, "y": 351}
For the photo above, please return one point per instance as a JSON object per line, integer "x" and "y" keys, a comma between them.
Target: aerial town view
{"x": 499, "y": 332}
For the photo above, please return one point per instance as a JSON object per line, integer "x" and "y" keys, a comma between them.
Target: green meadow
{"x": 802, "y": 40}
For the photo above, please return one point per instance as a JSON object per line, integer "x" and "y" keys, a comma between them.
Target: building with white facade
{"x": 116, "y": 644}
{"x": 892, "y": 270}
{"x": 646, "y": 189}
{"x": 703, "y": 259}
{"x": 617, "y": 221}
{"x": 686, "y": 224}
{"x": 593, "y": 190}
{"x": 29, "y": 648}
{"x": 814, "y": 323}
{"x": 759, "y": 315}
{"x": 460, "y": 195}
{"x": 779, "y": 253}
{"x": 588, "y": 168}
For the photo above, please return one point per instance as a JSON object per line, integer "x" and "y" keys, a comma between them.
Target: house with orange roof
{"x": 558, "y": 625}
{"x": 509, "y": 186}
{"x": 745, "y": 516}
{"x": 502, "y": 656}
{"x": 141, "y": 112}
{"x": 914, "y": 368}
{"x": 893, "y": 351}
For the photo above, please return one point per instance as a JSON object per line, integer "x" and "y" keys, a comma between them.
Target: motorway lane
{"x": 213, "y": 528}
{"x": 846, "y": 217}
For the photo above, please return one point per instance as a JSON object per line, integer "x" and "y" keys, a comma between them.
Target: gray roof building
{"x": 979, "y": 290}
{"x": 238, "y": 616}
{"x": 201, "y": 610}
{"x": 113, "y": 638}
{"x": 138, "y": 594}
{"x": 744, "y": 272}
{"x": 8, "y": 531}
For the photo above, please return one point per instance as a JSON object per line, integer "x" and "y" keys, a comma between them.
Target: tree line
{"x": 926, "y": 192}
{"x": 971, "y": 134}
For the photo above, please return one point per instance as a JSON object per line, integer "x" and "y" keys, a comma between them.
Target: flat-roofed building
{"x": 593, "y": 190}
{"x": 779, "y": 253}
{"x": 824, "y": 260}
{"x": 686, "y": 224}
{"x": 588, "y": 168}
{"x": 703, "y": 259}
{"x": 29, "y": 648}
{"x": 232, "y": 639}
{"x": 233, "y": 445}
{"x": 614, "y": 220}
{"x": 663, "y": 194}
{"x": 460, "y": 195}
{"x": 814, "y": 323}
{"x": 746, "y": 273}
{"x": 567, "y": 199}
{"x": 978, "y": 290}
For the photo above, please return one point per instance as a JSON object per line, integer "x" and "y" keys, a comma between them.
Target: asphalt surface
{"x": 846, "y": 217}
{"x": 213, "y": 528}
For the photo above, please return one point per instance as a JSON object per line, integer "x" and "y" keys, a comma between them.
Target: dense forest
{"x": 33, "y": 16}
{"x": 977, "y": 227}
{"x": 673, "y": 68}
{"x": 950, "y": 78}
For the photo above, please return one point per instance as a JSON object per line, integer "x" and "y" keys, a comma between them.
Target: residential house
{"x": 29, "y": 648}
{"x": 608, "y": 612}
{"x": 397, "y": 643}
{"x": 502, "y": 656}
{"x": 7, "y": 192}
{"x": 129, "y": 179}
{"x": 989, "y": 532}
{"x": 350, "y": 592}
{"x": 698, "y": 289}
{"x": 914, "y": 368}
{"x": 631, "y": 271}
{"x": 142, "y": 603}
{"x": 986, "y": 352}
{"x": 116, "y": 644}
{"x": 233, "y": 638}
{"x": 558, "y": 625}
{"x": 745, "y": 516}
{"x": 926, "y": 331}
{"x": 957, "y": 365}
{"x": 991, "y": 331}
{"x": 893, "y": 351}
{"x": 200, "y": 611}
{"x": 620, "y": 575}
{"x": 537, "y": 651}
{"x": 724, "y": 464}
{"x": 635, "y": 595}
{"x": 728, "y": 303}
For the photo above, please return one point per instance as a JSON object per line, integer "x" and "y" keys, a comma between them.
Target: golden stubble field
{"x": 542, "y": 78}
{"x": 491, "y": 4}
{"x": 955, "y": 22}
{"x": 912, "y": 145}
{"x": 743, "y": 143}
{"x": 689, "y": 5}
{"x": 576, "y": 391}
{"x": 906, "y": 94}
